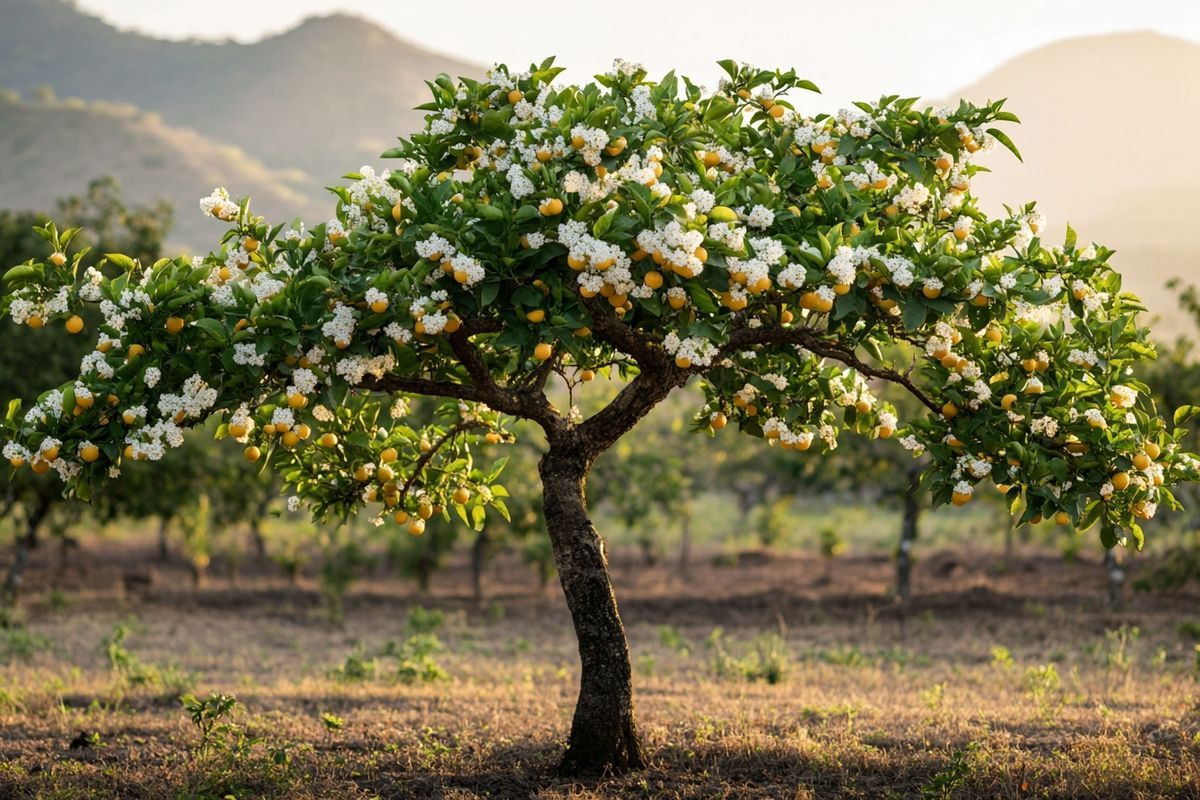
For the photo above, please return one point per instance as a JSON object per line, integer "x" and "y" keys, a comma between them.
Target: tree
{"x": 31, "y": 359}
{"x": 657, "y": 234}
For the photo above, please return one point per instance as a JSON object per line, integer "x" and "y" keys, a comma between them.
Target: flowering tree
{"x": 650, "y": 231}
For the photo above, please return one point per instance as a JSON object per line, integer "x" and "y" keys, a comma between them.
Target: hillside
{"x": 51, "y": 148}
{"x": 325, "y": 97}
{"x": 1101, "y": 118}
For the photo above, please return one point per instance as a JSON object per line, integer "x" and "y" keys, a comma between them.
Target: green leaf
{"x": 914, "y": 314}
{"x": 121, "y": 260}
{"x": 1003, "y": 139}
{"x": 1185, "y": 413}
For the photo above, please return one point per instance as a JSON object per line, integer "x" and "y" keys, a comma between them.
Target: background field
{"x": 1000, "y": 679}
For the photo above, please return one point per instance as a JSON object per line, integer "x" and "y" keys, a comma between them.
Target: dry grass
{"x": 872, "y": 703}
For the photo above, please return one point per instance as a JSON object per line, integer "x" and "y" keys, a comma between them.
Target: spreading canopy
{"x": 649, "y": 231}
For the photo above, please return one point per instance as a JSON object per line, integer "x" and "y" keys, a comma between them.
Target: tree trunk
{"x": 480, "y": 551}
{"x": 604, "y": 736}
{"x": 685, "y": 545}
{"x": 25, "y": 542}
{"x": 908, "y": 535}
{"x": 164, "y": 552}
{"x": 1116, "y": 579}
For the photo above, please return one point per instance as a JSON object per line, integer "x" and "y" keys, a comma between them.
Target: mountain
{"x": 324, "y": 97}
{"x": 51, "y": 148}
{"x": 1104, "y": 121}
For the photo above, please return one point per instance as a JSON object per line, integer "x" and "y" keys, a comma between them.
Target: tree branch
{"x": 810, "y": 339}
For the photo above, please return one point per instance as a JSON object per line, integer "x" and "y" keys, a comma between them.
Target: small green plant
{"x": 332, "y": 723}
{"x": 424, "y": 620}
{"x": 357, "y": 667}
{"x": 213, "y": 718}
{"x": 1045, "y": 687}
{"x": 670, "y": 637}
{"x": 1189, "y": 629}
{"x": 20, "y": 644}
{"x": 1118, "y": 656}
{"x": 415, "y": 661}
{"x": 1002, "y": 658}
{"x": 934, "y": 697}
{"x": 767, "y": 658}
{"x": 951, "y": 777}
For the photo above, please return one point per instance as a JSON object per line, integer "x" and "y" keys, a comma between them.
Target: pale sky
{"x": 852, "y": 50}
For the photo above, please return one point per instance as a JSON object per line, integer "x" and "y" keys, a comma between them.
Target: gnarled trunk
{"x": 604, "y": 736}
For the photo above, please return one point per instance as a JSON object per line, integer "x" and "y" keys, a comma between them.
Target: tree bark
{"x": 1116, "y": 579}
{"x": 604, "y": 736}
{"x": 685, "y": 545}
{"x": 26, "y": 542}
{"x": 480, "y": 551}
{"x": 164, "y": 551}
{"x": 908, "y": 535}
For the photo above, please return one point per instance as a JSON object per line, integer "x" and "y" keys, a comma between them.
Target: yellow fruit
{"x": 424, "y": 511}
{"x": 1062, "y": 518}
{"x": 776, "y": 111}
{"x": 401, "y": 517}
{"x": 994, "y": 334}
{"x": 388, "y": 455}
{"x": 551, "y": 208}
{"x": 841, "y": 288}
{"x": 932, "y": 292}
{"x": 384, "y": 473}
{"x": 616, "y": 146}
{"x": 1120, "y": 481}
{"x": 328, "y": 441}
{"x": 75, "y": 324}
{"x": 862, "y": 406}
{"x": 134, "y": 351}
{"x": 711, "y": 159}
{"x": 587, "y": 375}
{"x": 50, "y": 453}
{"x": 492, "y": 437}
{"x": 238, "y": 430}
{"x": 1141, "y": 461}
{"x": 515, "y": 96}
{"x": 362, "y": 473}
{"x": 653, "y": 279}
{"x": 290, "y": 439}
{"x": 949, "y": 411}
{"x": 543, "y": 351}
{"x": 718, "y": 421}
{"x": 35, "y": 322}
{"x": 269, "y": 429}
{"x": 785, "y": 317}
{"x": 416, "y": 527}
{"x": 461, "y": 495}
{"x": 961, "y": 498}
{"x": 17, "y": 461}
{"x": 1153, "y": 450}
{"x": 252, "y": 453}
{"x": 1008, "y": 401}
{"x": 174, "y": 325}
{"x": 425, "y": 446}
{"x": 683, "y": 362}
{"x": 40, "y": 467}
{"x": 722, "y": 214}
{"x": 536, "y": 316}
{"x": 58, "y": 259}
{"x": 297, "y": 401}
{"x": 89, "y": 453}
{"x": 380, "y": 306}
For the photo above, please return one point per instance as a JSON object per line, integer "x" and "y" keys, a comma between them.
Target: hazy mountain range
{"x": 1105, "y": 124}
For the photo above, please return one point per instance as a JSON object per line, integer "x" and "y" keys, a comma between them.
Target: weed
{"x": 951, "y": 777}
{"x": 768, "y": 658}
{"x": 1002, "y": 658}
{"x": 19, "y": 644}
{"x": 415, "y": 659}
{"x": 670, "y": 637}
{"x": 423, "y": 620}
{"x": 1045, "y": 687}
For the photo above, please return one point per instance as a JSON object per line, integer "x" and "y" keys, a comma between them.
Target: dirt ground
{"x": 996, "y": 681}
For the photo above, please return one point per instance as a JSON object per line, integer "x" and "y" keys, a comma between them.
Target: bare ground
{"x": 871, "y": 701}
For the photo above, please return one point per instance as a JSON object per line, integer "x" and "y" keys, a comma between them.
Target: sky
{"x": 856, "y": 50}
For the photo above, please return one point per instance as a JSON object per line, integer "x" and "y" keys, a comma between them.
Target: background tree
{"x": 34, "y": 359}
{"x": 645, "y": 230}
